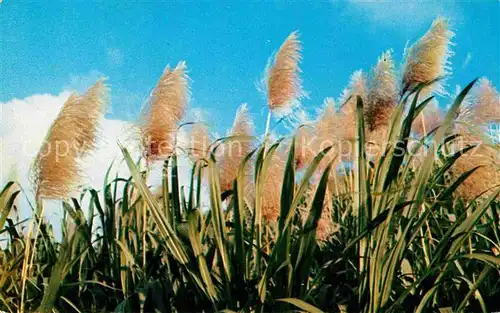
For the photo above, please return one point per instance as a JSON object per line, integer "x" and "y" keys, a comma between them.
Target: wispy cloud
{"x": 81, "y": 82}
{"x": 467, "y": 60}
{"x": 115, "y": 56}
{"x": 405, "y": 16}
{"x": 128, "y": 100}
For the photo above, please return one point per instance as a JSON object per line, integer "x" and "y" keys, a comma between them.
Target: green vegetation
{"x": 406, "y": 244}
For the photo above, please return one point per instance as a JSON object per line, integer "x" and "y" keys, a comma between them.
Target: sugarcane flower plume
{"x": 163, "y": 112}
{"x": 382, "y": 93}
{"x": 93, "y": 103}
{"x": 271, "y": 192}
{"x": 236, "y": 149}
{"x": 284, "y": 85}
{"x": 484, "y": 179}
{"x": 357, "y": 87}
{"x": 73, "y": 135}
{"x": 199, "y": 142}
{"x": 428, "y": 58}
{"x": 481, "y": 105}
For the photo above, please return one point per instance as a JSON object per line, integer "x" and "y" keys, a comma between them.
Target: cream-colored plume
{"x": 73, "y": 135}
{"x": 382, "y": 93}
{"x": 428, "y": 58}
{"x": 283, "y": 82}
{"x": 237, "y": 149}
{"x": 481, "y": 105}
{"x": 165, "y": 109}
{"x": 273, "y": 181}
{"x": 348, "y": 100}
{"x": 199, "y": 142}
{"x": 487, "y": 177}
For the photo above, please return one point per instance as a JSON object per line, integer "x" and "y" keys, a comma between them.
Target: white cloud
{"x": 405, "y": 16}
{"x": 23, "y": 125}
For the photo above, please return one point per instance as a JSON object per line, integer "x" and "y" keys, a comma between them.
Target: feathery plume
{"x": 329, "y": 130}
{"x": 199, "y": 142}
{"x": 485, "y": 177}
{"x": 236, "y": 150}
{"x": 312, "y": 138}
{"x": 271, "y": 192}
{"x": 328, "y": 122}
{"x": 56, "y": 171}
{"x": 381, "y": 101}
{"x": 283, "y": 82}
{"x": 93, "y": 105}
{"x": 163, "y": 112}
{"x": 357, "y": 87}
{"x": 382, "y": 93}
{"x": 481, "y": 105}
{"x": 305, "y": 146}
{"x": 428, "y": 58}
{"x": 487, "y": 102}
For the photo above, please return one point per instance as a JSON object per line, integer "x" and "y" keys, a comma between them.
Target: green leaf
{"x": 486, "y": 258}
{"x": 301, "y": 304}
{"x": 172, "y": 241}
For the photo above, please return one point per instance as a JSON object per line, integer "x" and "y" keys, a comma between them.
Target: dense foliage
{"x": 406, "y": 242}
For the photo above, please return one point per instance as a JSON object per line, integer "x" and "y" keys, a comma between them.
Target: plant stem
{"x": 423, "y": 124}
{"x": 268, "y": 123}
{"x": 28, "y": 261}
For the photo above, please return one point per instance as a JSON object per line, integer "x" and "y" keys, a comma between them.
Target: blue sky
{"x": 50, "y": 48}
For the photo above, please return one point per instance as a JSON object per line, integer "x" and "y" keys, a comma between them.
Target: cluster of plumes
{"x": 163, "y": 112}
{"x": 337, "y": 128}
{"x": 328, "y": 130}
{"x": 56, "y": 175}
{"x": 333, "y": 128}
{"x": 236, "y": 149}
{"x": 313, "y": 137}
{"x": 480, "y": 107}
{"x": 284, "y": 85}
{"x": 427, "y": 59}
{"x": 72, "y": 136}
